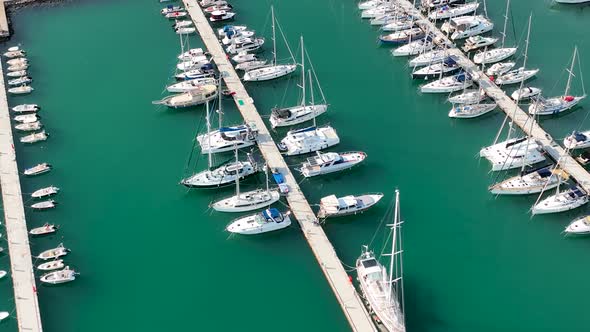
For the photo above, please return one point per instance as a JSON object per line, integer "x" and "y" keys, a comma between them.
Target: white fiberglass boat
{"x": 530, "y": 182}
{"x": 186, "y": 30}
{"x": 476, "y": 42}
{"x": 244, "y": 57}
{"x": 51, "y": 265}
{"x": 171, "y": 9}
{"x": 59, "y": 277}
{"x": 229, "y": 30}
{"x": 448, "y": 84}
{"x": 445, "y": 12}
{"x": 448, "y": 66}
{"x": 45, "y": 192}
{"x": 21, "y": 90}
{"x": 227, "y": 138}
{"x": 266, "y": 221}
{"x": 467, "y": 111}
{"x": 468, "y": 97}
{"x": 38, "y": 169}
{"x": 332, "y": 206}
{"x": 35, "y": 137}
{"x": 24, "y": 108}
{"x": 269, "y": 72}
{"x": 15, "y": 54}
{"x": 31, "y": 126}
{"x": 19, "y": 67}
{"x": 371, "y": 4}
{"x": 567, "y": 200}
{"x": 307, "y": 140}
{"x": 577, "y": 140}
{"x": 398, "y": 25}
{"x": 249, "y": 45}
{"x": 17, "y": 61}
{"x": 209, "y": 3}
{"x": 247, "y": 201}
{"x": 237, "y": 38}
{"x": 203, "y": 72}
{"x": 429, "y": 58}
{"x": 20, "y": 80}
{"x": 467, "y": 26}
{"x": 525, "y": 93}
{"x": 500, "y": 68}
{"x": 54, "y": 253}
{"x": 415, "y": 47}
{"x": 26, "y": 118}
{"x": 194, "y": 97}
{"x": 387, "y": 18}
{"x": 176, "y": 15}
{"x": 330, "y": 162}
{"x": 221, "y": 15}
{"x": 580, "y": 226}
{"x": 513, "y": 153}
{"x": 45, "y": 205}
{"x": 493, "y": 56}
{"x": 379, "y": 11}
{"x": 195, "y": 62}
{"x": 17, "y": 73}
{"x": 211, "y": 9}
{"x": 182, "y": 24}
{"x": 45, "y": 229}
{"x": 251, "y": 65}
{"x": 2, "y": 275}
{"x": 221, "y": 176}
{"x": 4, "y": 315}
{"x": 193, "y": 52}
{"x": 189, "y": 85}
{"x": 516, "y": 76}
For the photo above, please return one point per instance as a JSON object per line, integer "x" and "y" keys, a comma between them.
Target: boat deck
{"x": 21, "y": 264}
{"x": 505, "y": 103}
{"x": 349, "y": 300}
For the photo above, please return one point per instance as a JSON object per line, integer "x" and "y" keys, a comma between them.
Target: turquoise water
{"x": 152, "y": 257}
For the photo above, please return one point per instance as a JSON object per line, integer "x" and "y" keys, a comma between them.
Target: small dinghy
{"x": 59, "y": 277}
{"x": 54, "y": 253}
{"x": 31, "y": 126}
{"x": 45, "y": 229}
{"x": 38, "y": 169}
{"x": 182, "y": 24}
{"x": 45, "y": 192}
{"x": 186, "y": 31}
{"x": 189, "y": 85}
{"x": 251, "y": 65}
{"x": 17, "y": 61}
{"x": 525, "y": 93}
{"x": 45, "y": 205}
{"x": 24, "y": 108}
{"x": 330, "y": 162}
{"x": 18, "y": 67}
{"x": 34, "y": 138}
{"x": 2, "y": 274}
{"x": 3, "y": 315}
{"x": 21, "y": 90}
{"x": 20, "y": 80}
{"x": 14, "y": 54}
{"x": 193, "y": 52}
{"x": 221, "y": 15}
{"x": 468, "y": 97}
{"x": 17, "y": 73}
{"x": 266, "y": 221}
{"x": 332, "y": 206}
{"x": 175, "y": 15}
{"x": 466, "y": 111}
{"x": 52, "y": 265}
{"x": 26, "y": 118}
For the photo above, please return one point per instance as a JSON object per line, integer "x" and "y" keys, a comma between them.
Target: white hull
{"x": 308, "y": 140}
{"x": 295, "y": 115}
{"x": 328, "y": 163}
{"x": 527, "y": 184}
{"x": 471, "y": 111}
{"x": 493, "y": 56}
{"x": 561, "y": 202}
{"x": 554, "y": 105}
{"x": 580, "y": 226}
{"x": 259, "y": 223}
{"x": 247, "y": 201}
{"x": 220, "y": 176}
{"x": 268, "y": 73}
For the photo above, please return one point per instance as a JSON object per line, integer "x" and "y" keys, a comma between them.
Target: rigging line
{"x": 316, "y": 77}
{"x": 513, "y": 25}
{"x": 581, "y": 77}
{"x": 285, "y": 39}
{"x": 379, "y": 227}
{"x": 193, "y": 148}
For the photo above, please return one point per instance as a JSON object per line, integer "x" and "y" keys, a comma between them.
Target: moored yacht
{"x": 516, "y": 76}
{"x": 227, "y": 138}
{"x": 580, "y": 226}
{"x": 448, "y": 84}
{"x": 445, "y": 11}
{"x": 467, "y": 26}
{"x": 513, "y": 153}
{"x": 494, "y": 55}
{"x": 469, "y": 111}
{"x": 468, "y": 97}
{"x": 54, "y": 253}
{"x": 476, "y": 42}
{"x": 221, "y": 176}
{"x": 248, "y": 45}
{"x": 402, "y": 37}
{"x": 38, "y": 169}
{"x": 192, "y": 84}
{"x": 429, "y": 58}
{"x": 398, "y": 25}
{"x": 266, "y": 221}
{"x": 45, "y": 229}
{"x": 45, "y": 205}
{"x": 567, "y": 200}
{"x": 448, "y": 66}
{"x": 194, "y": 97}
{"x": 530, "y": 182}
{"x": 59, "y": 277}
{"x": 45, "y": 192}
{"x": 51, "y": 265}
{"x": 330, "y": 162}
{"x": 525, "y": 93}
{"x": 332, "y": 206}
{"x": 577, "y": 140}
{"x": 24, "y": 108}
{"x": 307, "y": 140}
{"x": 415, "y": 47}
{"x": 500, "y": 68}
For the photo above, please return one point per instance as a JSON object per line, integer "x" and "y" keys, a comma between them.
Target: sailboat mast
{"x": 208, "y": 119}
{"x": 274, "y": 39}
{"x": 312, "y": 101}
{"x": 569, "y": 77}
{"x": 505, "y": 22}
{"x": 266, "y": 175}
{"x": 219, "y": 107}
{"x": 303, "y": 73}
{"x": 393, "y": 243}
{"x": 526, "y": 50}
{"x": 237, "y": 173}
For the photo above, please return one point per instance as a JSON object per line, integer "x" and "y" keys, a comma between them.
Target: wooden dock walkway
{"x": 21, "y": 265}
{"x": 521, "y": 118}
{"x": 349, "y": 300}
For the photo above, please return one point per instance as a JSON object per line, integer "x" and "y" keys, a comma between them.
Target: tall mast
{"x": 505, "y": 22}
{"x": 274, "y": 39}
{"x": 526, "y": 50}
{"x": 208, "y": 136}
{"x": 569, "y": 78}
{"x": 393, "y": 243}
{"x": 237, "y": 174}
{"x": 312, "y": 101}
{"x": 219, "y": 109}
{"x": 266, "y": 175}
{"x": 303, "y": 73}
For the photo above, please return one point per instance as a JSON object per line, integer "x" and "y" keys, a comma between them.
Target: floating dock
{"x": 21, "y": 265}
{"x": 349, "y": 299}
{"x": 521, "y": 118}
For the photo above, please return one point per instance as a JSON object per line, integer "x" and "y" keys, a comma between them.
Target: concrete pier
{"x": 521, "y": 118}
{"x": 4, "y": 28}
{"x": 349, "y": 300}
{"x": 21, "y": 265}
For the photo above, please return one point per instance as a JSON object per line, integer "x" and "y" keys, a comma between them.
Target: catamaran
{"x": 383, "y": 290}
{"x": 332, "y": 206}
{"x": 266, "y": 221}
{"x": 274, "y": 70}
{"x": 330, "y": 162}
{"x": 530, "y": 182}
{"x": 567, "y": 200}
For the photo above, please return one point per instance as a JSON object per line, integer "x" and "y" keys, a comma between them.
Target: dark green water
{"x": 153, "y": 258}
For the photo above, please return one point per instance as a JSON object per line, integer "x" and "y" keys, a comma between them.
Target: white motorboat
{"x": 494, "y": 55}
{"x": 525, "y": 93}
{"x": 190, "y": 54}
{"x": 371, "y": 4}
{"x": 468, "y": 97}
{"x": 211, "y": 9}
{"x": 415, "y": 47}
{"x": 470, "y": 26}
{"x": 332, "y": 206}
{"x": 448, "y": 84}
{"x": 227, "y": 138}
{"x": 26, "y": 118}
{"x": 221, "y": 15}
{"x": 251, "y": 65}
{"x": 500, "y": 68}
{"x": 17, "y": 61}
{"x": 209, "y": 3}
{"x": 516, "y": 76}
{"x": 45, "y": 229}
{"x": 577, "y": 140}
{"x": 186, "y": 31}
{"x": 307, "y": 140}
{"x": 195, "y": 62}
{"x": 446, "y": 12}
{"x": 429, "y": 58}
{"x": 15, "y": 54}
{"x": 189, "y": 85}
{"x": 448, "y": 66}
{"x": 54, "y": 253}
{"x": 31, "y": 126}
{"x": 228, "y": 30}
{"x": 45, "y": 192}
{"x": 569, "y": 2}
{"x": 244, "y": 57}
{"x": 19, "y": 67}
{"x": 190, "y": 98}
{"x": 21, "y": 90}
{"x": 469, "y": 111}
{"x": 249, "y": 45}
{"x": 266, "y": 221}
{"x": 182, "y": 24}
{"x": 59, "y": 277}
{"x": 45, "y": 205}
{"x": 530, "y": 182}
{"x": 21, "y": 80}
{"x": 580, "y": 226}
{"x": 237, "y": 38}
{"x": 38, "y": 169}
{"x": 476, "y": 42}
{"x": 176, "y": 15}
{"x": 513, "y": 153}
{"x": 387, "y": 18}
{"x": 221, "y": 176}
{"x": 171, "y": 9}
{"x": 24, "y": 108}
{"x": 383, "y": 291}
{"x": 2, "y": 275}
{"x": 330, "y": 162}
{"x": 399, "y": 25}
{"x": 567, "y": 200}
{"x": 51, "y": 265}
{"x": 34, "y": 137}
{"x": 379, "y": 11}
{"x": 203, "y": 72}
{"x": 17, "y": 73}
{"x": 4, "y": 315}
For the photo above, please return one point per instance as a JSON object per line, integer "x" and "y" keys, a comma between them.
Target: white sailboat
{"x": 497, "y": 54}
{"x": 469, "y": 111}
{"x": 570, "y": 199}
{"x": 448, "y": 84}
{"x": 429, "y": 58}
{"x": 468, "y": 97}
{"x": 383, "y": 290}
{"x": 530, "y": 182}
{"x": 274, "y": 70}
{"x": 580, "y": 226}
{"x": 521, "y": 74}
{"x": 266, "y": 221}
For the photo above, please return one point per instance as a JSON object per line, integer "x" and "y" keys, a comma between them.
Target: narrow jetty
{"x": 21, "y": 264}
{"x": 4, "y": 28}
{"x": 349, "y": 300}
{"x": 521, "y": 118}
